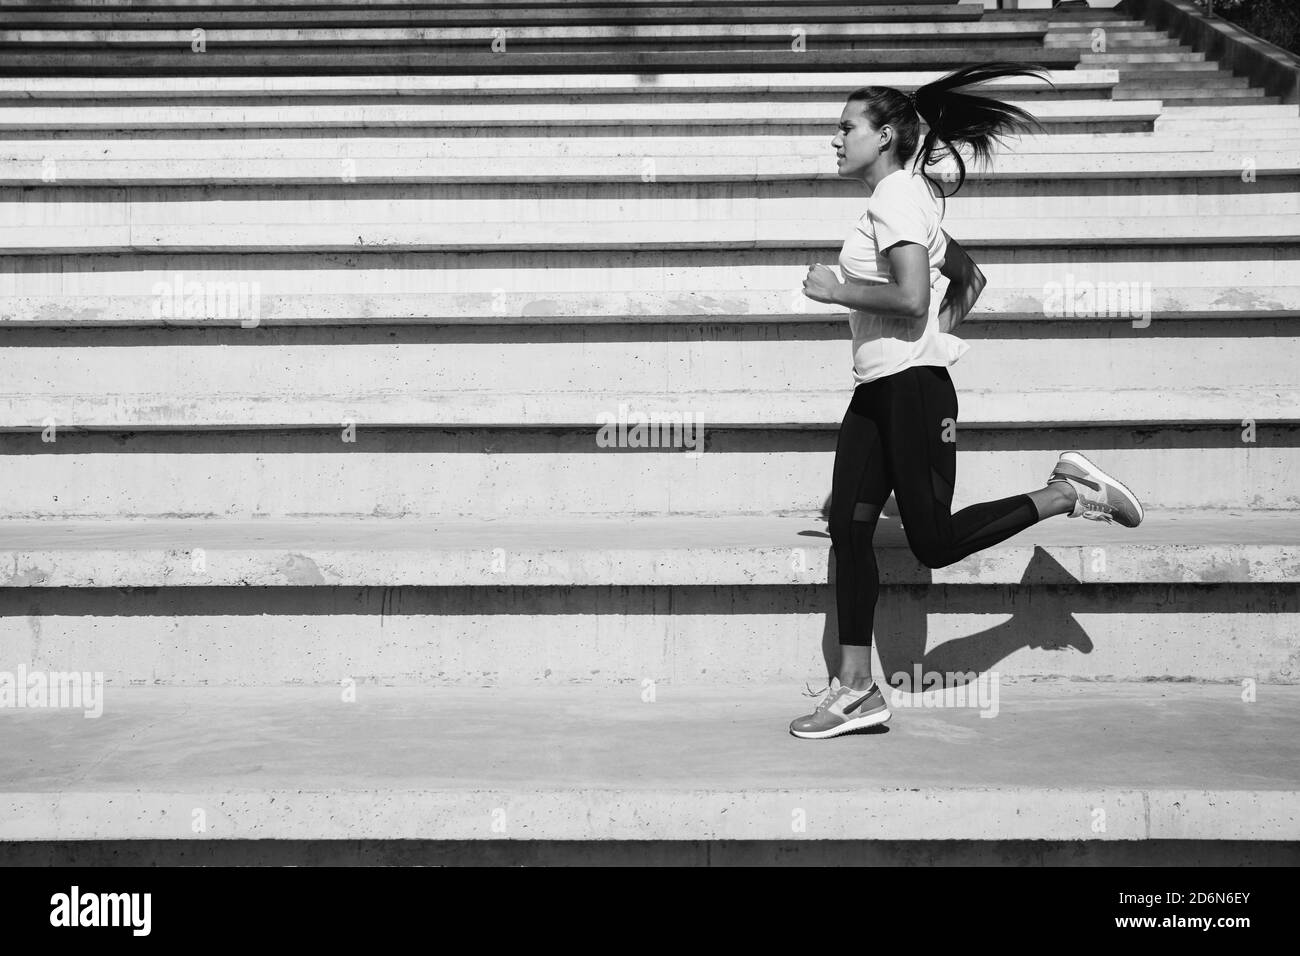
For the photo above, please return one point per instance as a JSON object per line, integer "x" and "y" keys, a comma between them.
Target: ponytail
{"x": 955, "y": 119}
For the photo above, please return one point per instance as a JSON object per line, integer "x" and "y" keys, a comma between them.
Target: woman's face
{"x": 857, "y": 145}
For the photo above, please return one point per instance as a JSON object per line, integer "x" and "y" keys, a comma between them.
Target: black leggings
{"x": 899, "y": 434}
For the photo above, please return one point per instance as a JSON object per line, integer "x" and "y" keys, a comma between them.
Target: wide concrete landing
{"x": 1053, "y": 761}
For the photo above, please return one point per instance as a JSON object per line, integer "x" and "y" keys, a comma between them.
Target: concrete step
{"x": 282, "y": 364}
{"x": 1209, "y": 114}
{"x": 271, "y": 234}
{"x": 1115, "y": 36}
{"x": 560, "y": 38}
{"x": 115, "y": 6}
{"x": 1229, "y": 133}
{"x": 1213, "y": 93}
{"x": 27, "y": 62}
{"x": 1181, "y": 77}
{"x": 1123, "y": 59}
{"x": 1170, "y": 547}
{"x": 181, "y": 162}
{"x": 258, "y": 405}
{"x": 1070, "y": 17}
{"x": 731, "y": 85}
{"x": 1177, "y": 72}
{"x": 749, "y": 286}
{"x": 629, "y": 600}
{"x": 771, "y": 116}
{"x": 523, "y": 473}
{"x": 1143, "y": 43}
{"x": 232, "y": 16}
{"x": 1026, "y": 150}
{"x": 1225, "y": 141}
{"x": 413, "y": 217}
{"x": 1159, "y": 87}
{"x": 364, "y": 298}
{"x": 1220, "y": 100}
{"x": 298, "y": 764}
{"x": 1242, "y": 121}
{"x": 1174, "y": 69}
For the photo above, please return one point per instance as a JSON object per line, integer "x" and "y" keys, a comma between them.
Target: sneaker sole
{"x": 857, "y": 723}
{"x": 1077, "y": 459}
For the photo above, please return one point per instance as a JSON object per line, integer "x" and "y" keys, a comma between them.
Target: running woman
{"x": 897, "y": 435}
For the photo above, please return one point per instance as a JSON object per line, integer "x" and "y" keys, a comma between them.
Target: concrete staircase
{"x": 307, "y": 341}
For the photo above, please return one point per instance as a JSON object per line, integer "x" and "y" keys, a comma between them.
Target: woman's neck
{"x": 877, "y": 172}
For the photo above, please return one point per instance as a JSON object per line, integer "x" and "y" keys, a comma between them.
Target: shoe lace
{"x": 1098, "y": 511}
{"x": 1095, "y": 509}
{"x": 809, "y": 692}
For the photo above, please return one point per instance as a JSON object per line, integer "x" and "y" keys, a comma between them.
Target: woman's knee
{"x": 843, "y": 523}
{"x": 929, "y": 550}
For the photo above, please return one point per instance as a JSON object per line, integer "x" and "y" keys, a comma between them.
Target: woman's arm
{"x": 965, "y": 283}
{"x": 908, "y": 296}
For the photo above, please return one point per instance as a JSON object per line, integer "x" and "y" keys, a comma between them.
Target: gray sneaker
{"x": 1099, "y": 496}
{"x": 842, "y": 710}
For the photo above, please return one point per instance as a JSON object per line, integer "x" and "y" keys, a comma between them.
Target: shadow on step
{"x": 1182, "y": 853}
{"x": 901, "y": 632}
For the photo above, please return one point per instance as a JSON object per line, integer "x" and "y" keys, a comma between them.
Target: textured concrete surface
{"x": 505, "y": 165}
{"x": 1060, "y": 761}
{"x": 450, "y": 407}
{"x": 788, "y": 852}
{"x": 425, "y": 219}
{"x": 781, "y": 116}
{"x": 740, "y": 375}
{"x": 1169, "y": 547}
{"x": 747, "y": 289}
{"x": 561, "y": 37}
{"x": 519, "y": 473}
{"x": 590, "y": 84}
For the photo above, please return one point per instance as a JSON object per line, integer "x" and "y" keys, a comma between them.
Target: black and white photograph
{"x": 685, "y": 433}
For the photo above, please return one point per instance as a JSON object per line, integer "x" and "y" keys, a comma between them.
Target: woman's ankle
{"x": 1056, "y": 498}
{"x": 857, "y": 680}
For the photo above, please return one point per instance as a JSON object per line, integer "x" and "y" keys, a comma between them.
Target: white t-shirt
{"x": 901, "y": 209}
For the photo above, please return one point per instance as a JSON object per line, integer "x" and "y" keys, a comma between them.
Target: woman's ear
{"x": 886, "y": 137}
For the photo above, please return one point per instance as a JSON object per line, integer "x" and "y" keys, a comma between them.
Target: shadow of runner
{"x": 902, "y": 630}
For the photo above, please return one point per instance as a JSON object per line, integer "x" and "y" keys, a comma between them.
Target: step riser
{"x": 441, "y": 19}
{"x": 777, "y": 45}
{"x": 1070, "y": 155}
{"x": 286, "y": 38}
{"x": 347, "y": 216}
{"x": 489, "y": 88}
{"x": 453, "y": 408}
{"x": 1183, "y": 72}
{"x": 1226, "y": 127}
{"x": 1158, "y": 86}
{"x": 1097, "y": 60}
{"x": 513, "y": 473}
{"x": 341, "y": 159}
{"x": 247, "y": 307}
{"x": 281, "y": 364}
{"x": 685, "y": 201}
{"x": 704, "y": 129}
{"x": 732, "y": 636}
{"x": 813, "y": 94}
{"x": 560, "y": 111}
{"x": 1218, "y": 101}
{"x": 1064, "y": 157}
{"x": 748, "y": 286}
{"x": 358, "y": 61}
{"x": 1185, "y": 95}
{"x": 511, "y": 169}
